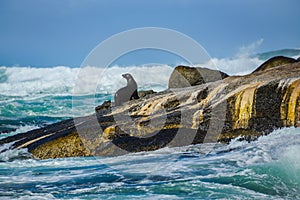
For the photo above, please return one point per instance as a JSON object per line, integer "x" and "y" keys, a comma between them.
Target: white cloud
{"x": 249, "y": 49}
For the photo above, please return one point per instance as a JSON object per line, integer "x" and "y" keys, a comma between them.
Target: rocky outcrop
{"x": 275, "y": 62}
{"x": 184, "y": 76}
{"x": 247, "y": 106}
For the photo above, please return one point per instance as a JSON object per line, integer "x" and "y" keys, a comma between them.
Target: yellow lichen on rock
{"x": 197, "y": 119}
{"x": 67, "y": 146}
{"x": 172, "y": 126}
{"x": 212, "y": 94}
{"x": 148, "y": 108}
{"x": 289, "y": 108}
{"x": 293, "y": 102}
{"x": 244, "y": 105}
{"x": 108, "y": 132}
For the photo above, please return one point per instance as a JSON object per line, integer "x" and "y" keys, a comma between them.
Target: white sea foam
{"x": 154, "y": 77}
{"x": 20, "y": 129}
{"x": 168, "y": 168}
{"x": 239, "y": 65}
{"x": 27, "y": 81}
{"x": 270, "y": 148}
{"x": 61, "y": 80}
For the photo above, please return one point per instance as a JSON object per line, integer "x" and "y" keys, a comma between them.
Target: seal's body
{"x": 126, "y": 93}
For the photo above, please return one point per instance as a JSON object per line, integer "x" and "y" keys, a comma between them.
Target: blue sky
{"x": 63, "y": 32}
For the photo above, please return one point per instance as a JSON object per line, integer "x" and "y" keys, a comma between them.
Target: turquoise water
{"x": 265, "y": 169}
{"x": 268, "y": 168}
{"x": 19, "y": 112}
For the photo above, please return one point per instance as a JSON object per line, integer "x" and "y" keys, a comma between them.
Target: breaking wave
{"x": 32, "y": 82}
{"x": 268, "y": 168}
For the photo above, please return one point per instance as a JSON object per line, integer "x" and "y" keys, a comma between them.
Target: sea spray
{"x": 30, "y": 83}
{"x": 237, "y": 171}
{"x": 34, "y": 82}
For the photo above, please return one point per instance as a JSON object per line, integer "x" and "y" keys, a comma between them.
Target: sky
{"x": 63, "y": 32}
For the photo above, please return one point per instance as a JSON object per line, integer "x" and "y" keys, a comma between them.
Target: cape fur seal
{"x": 126, "y": 93}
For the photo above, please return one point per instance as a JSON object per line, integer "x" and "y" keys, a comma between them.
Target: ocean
{"x": 32, "y": 97}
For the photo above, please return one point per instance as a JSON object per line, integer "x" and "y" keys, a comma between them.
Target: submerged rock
{"x": 239, "y": 106}
{"x": 184, "y": 76}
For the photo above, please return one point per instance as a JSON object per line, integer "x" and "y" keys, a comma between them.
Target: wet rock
{"x": 184, "y": 76}
{"x": 4, "y": 130}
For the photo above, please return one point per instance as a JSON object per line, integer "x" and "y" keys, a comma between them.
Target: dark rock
{"x": 267, "y": 104}
{"x": 6, "y": 130}
{"x": 104, "y": 108}
{"x": 184, "y": 76}
{"x": 298, "y": 59}
{"x": 275, "y": 62}
{"x": 143, "y": 94}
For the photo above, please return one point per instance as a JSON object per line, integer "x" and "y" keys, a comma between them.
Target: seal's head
{"x": 130, "y": 80}
{"x": 128, "y": 77}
